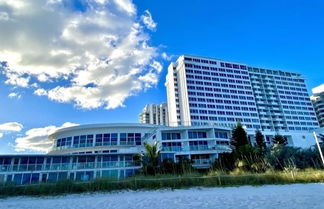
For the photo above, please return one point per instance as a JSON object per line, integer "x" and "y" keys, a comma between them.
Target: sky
{"x": 70, "y": 62}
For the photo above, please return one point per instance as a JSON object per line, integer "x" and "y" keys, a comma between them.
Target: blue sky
{"x": 285, "y": 35}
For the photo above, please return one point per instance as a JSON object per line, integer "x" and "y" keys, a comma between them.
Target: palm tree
{"x": 279, "y": 140}
{"x": 151, "y": 158}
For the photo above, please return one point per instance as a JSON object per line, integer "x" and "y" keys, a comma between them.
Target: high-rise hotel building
{"x": 282, "y": 100}
{"x": 211, "y": 91}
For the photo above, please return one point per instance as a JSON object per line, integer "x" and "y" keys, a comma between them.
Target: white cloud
{"x": 125, "y": 5}
{"x": 92, "y": 58}
{"x": 166, "y": 56}
{"x": 14, "y": 95}
{"x": 36, "y": 139}
{"x": 16, "y": 80}
{"x": 148, "y": 20}
{"x": 11, "y": 126}
{"x": 40, "y": 92}
{"x": 157, "y": 66}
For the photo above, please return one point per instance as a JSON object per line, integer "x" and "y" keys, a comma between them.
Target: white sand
{"x": 297, "y": 196}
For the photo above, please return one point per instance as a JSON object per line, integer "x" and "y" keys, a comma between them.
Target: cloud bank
{"x": 36, "y": 139}
{"x": 93, "y": 53}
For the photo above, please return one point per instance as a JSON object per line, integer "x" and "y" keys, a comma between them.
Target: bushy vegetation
{"x": 259, "y": 158}
{"x": 211, "y": 179}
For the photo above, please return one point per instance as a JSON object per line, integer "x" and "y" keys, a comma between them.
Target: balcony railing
{"x": 66, "y": 166}
{"x": 199, "y": 148}
{"x": 196, "y": 148}
{"x": 201, "y": 162}
{"x": 127, "y": 143}
{"x": 92, "y": 145}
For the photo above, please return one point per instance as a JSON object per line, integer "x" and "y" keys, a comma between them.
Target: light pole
{"x": 319, "y": 147}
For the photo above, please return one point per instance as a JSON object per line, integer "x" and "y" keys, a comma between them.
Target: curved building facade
{"x": 318, "y": 103}
{"x": 86, "y": 152}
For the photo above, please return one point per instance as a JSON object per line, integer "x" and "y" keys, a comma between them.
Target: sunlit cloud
{"x": 36, "y": 139}
{"x": 95, "y": 56}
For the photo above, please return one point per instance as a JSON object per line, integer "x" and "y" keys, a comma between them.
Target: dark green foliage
{"x": 259, "y": 138}
{"x": 281, "y": 157}
{"x": 225, "y": 162}
{"x": 278, "y": 139}
{"x": 249, "y": 158}
{"x": 170, "y": 167}
{"x": 239, "y": 136}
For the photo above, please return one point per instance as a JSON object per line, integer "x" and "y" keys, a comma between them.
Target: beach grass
{"x": 166, "y": 181}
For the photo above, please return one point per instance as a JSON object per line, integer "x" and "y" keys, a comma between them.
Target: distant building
{"x": 318, "y": 102}
{"x": 154, "y": 114}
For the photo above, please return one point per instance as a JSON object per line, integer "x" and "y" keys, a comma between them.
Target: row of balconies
{"x": 195, "y": 148}
{"x": 122, "y": 143}
{"x": 66, "y": 166}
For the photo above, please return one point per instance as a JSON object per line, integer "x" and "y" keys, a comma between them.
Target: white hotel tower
{"x": 210, "y": 91}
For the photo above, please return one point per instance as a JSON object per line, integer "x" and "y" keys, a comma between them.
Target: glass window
{"x": 56, "y": 159}
{"x": 62, "y": 176}
{"x": 63, "y": 142}
{"x": 58, "y": 142}
{"x": 26, "y": 178}
{"x": 197, "y": 134}
{"x": 106, "y": 139}
{"x": 35, "y": 178}
{"x": 110, "y": 174}
{"x": 98, "y": 139}
{"x": 24, "y": 160}
{"x": 129, "y": 172}
{"x": 83, "y": 140}
{"x": 222, "y": 135}
{"x": 76, "y": 141}
{"x": 68, "y": 141}
{"x": 89, "y": 140}
{"x": 52, "y": 177}
{"x": 17, "y": 178}
{"x": 137, "y": 138}
{"x": 122, "y": 138}
{"x": 171, "y": 136}
{"x": 114, "y": 137}
{"x": 130, "y": 138}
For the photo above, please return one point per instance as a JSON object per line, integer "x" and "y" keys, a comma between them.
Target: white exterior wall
{"x": 183, "y": 93}
{"x": 171, "y": 97}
